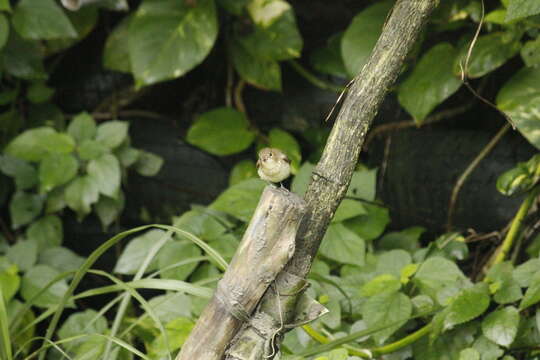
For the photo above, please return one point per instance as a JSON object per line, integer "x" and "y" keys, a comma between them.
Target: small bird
{"x": 273, "y": 165}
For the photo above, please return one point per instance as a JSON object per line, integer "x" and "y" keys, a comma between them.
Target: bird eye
{"x": 270, "y": 154}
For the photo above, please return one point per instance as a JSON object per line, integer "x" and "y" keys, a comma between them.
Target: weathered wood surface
{"x": 267, "y": 245}
{"x": 332, "y": 175}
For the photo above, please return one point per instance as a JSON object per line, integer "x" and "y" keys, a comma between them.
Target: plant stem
{"x": 313, "y": 79}
{"x": 400, "y": 344}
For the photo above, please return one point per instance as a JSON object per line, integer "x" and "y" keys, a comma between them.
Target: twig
{"x": 238, "y": 101}
{"x": 314, "y": 79}
{"x": 229, "y": 86}
{"x": 472, "y": 166}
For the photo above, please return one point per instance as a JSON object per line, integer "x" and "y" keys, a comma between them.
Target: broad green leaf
{"x": 106, "y": 172}
{"x": 108, "y": 209}
{"x": 240, "y": 200}
{"x": 9, "y": 281}
{"x": 116, "y": 51}
{"x": 92, "y": 149}
{"x": 488, "y": 349}
{"x": 530, "y": 52}
{"x": 379, "y": 284}
{"x": 392, "y": 262}
{"x": 285, "y": 142}
{"x": 23, "y": 254}
{"x": 519, "y": 98}
{"x": 489, "y": 52}
{"x": 22, "y": 58}
{"x": 342, "y": 245}
{"x": 503, "y": 284}
{"x": 56, "y": 170}
{"x": 83, "y": 21}
{"x": 80, "y": 194}
{"x": 348, "y": 209}
{"x": 301, "y": 180}
{"x": 136, "y": 251}
{"x": 167, "y": 38}
{"x": 532, "y": 295}
{"x": 177, "y": 332}
{"x": 25, "y": 174}
{"x": 81, "y": 323}
{"x": 82, "y": 127}
{"x": 389, "y": 308}
{"x": 407, "y": 239}
{"x": 327, "y": 59}
{"x": 4, "y": 30}
{"x": 201, "y": 223}
{"x": 255, "y": 70}
{"x": 175, "y": 252}
{"x": 333, "y": 318}
{"x": 518, "y": 9}
{"x": 524, "y": 273}
{"x": 36, "y": 279}
{"x": 60, "y": 258}
{"x": 430, "y": 83}
{"x": 243, "y": 170}
{"x": 148, "y": 164}
{"x": 469, "y": 354}
{"x": 24, "y": 208}
{"x": 43, "y": 19}
{"x": 362, "y": 34}
{"x": 422, "y": 304}
{"x": 363, "y": 184}
{"x": 451, "y": 245}
{"x": 5, "y": 5}
{"x": 222, "y": 131}
{"x": 39, "y": 93}
{"x": 469, "y": 304}
{"x": 371, "y": 225}
{"x": 171, "y": 306}
{"x": 501, "y": 326}
{"x": 437, "y": 273}
{"x": 127, "y": 155}
{"x": 225, "y": 245}
{"x": 275, "y": 35}
{"x": 37, "y": 143}
{"x": 112, "y": 133}
{"x": 46, "y": 232}
{"x": 55, "y": 201}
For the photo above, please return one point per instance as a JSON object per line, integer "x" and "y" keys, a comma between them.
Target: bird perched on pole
{"x": 273, "y": 165}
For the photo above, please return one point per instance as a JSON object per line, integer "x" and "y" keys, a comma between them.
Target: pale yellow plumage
{"x": 273, "y": 165}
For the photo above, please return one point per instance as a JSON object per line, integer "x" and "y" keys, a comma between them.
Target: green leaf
{"x": 275, "y": 35}
{"x": 148, "y": 164}
{"x": 243, "y": 170}
{"x": 469, "y": 304}
{"x": 127, "y": 155}
{"x": 37, "y": 143}
{"x": 80, "y": 194}
{"x": 4, "y": 31}
{"x": 371, "y": 225}
{"x": 92, "y": 149}
{"x": 519, "y": 98}
{"x": 488, "y": 349}
{"x": 175, "y": 252}
{"x": 407, "y": 239}
{"x": 24, "y": 208}
{"x": 112, "y": 133}
{"x": 177, "y": 332}
{"x": 284, "y": 141}
{"x": 489, "y": 52}
{"x": 116, "y": 52}
{"x": 83, "y": 21}
{"x": 9, "y": 281}
{"x": 503, "y": 284}
{"x": 437, "y": 273}
{"x": 518, "y": 9}
{"x": 235, "y": 7}
{"x": 215, "y": 130}
{"x": 46, "y": 232}
{"x": 61, "y": 258}
{"x": 532, "y": 295}
{"x": 106, "y": 172}
{"x": 379, "y": 284}
{"x": 35, "y": 280}
{"x": 327, "y": 59}
{"x": 501, "y": 326}
{"x": 389, "y": 309}
{"x": 56, "y": 170}
{"x": 469, "y": 354}
{"x": 25, "y": 174}
{"x": 393, "y": 262}
{"x": 255, "y": 70}
{"x": 136, "y": 251}
{"x": 23, "y": 254}
{"x": 82, "y": 127}
{"x": 525, "y": 272}
{"x": 348, "y": 209}
{"x": 82, "y": 323}
{"x": 342, "y": 245}
{"x": 108, "y": 209}
{"x": 41, "y": 20}
{"x": 55, "y": 201}
{"x": 167, "y": 38}
{"x": 22, "y": 58}
{"x": 530, "y": 52}
{"x": 363, "y": 184}
{"x": 5, "y": 5}
{"x": 201, "y": 223}
{"x": 430, "y": 83}
{"x": 39, "y": 93}
{"x": 301, "y": 180}
{"x": 362, "y": 34}
{"x": 240, "y": 200}
{"x": 171, "y": 306}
